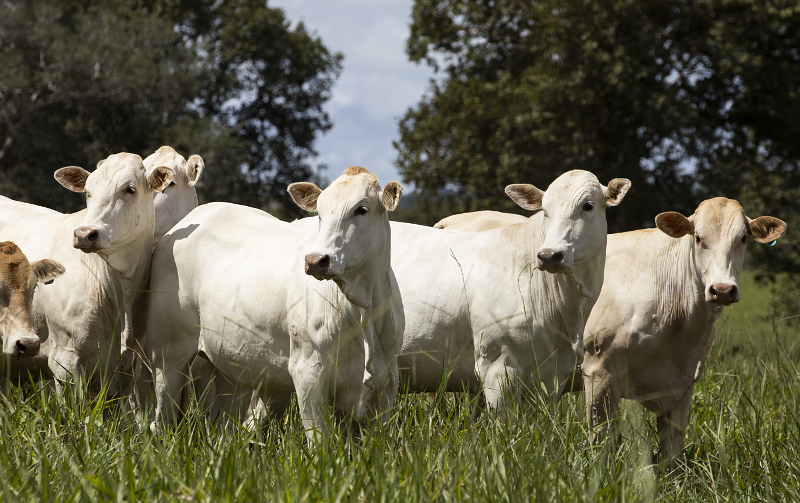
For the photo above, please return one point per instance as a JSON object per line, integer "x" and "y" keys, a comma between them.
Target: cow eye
{"x": 697, "y": 239}
{"x": 744, "y": 238}
{"x": 130, "y": 190}
{"x": 361, "y": 210}
{"x": 588, "y": 207}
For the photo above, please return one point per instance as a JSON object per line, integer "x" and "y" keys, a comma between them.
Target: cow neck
{"x": 673, "y": 272}
{"x": 551, "y": 299}
{"x": 366, "y": 289}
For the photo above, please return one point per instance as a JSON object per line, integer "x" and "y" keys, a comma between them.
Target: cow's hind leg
{"x": 672, "y": 429}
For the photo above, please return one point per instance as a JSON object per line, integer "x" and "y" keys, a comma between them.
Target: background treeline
{"x": 689, "y": 99}
{"x": 230, "y": 80}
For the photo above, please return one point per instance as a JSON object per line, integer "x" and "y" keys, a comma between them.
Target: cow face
{"x": 719, "y": 230}
{"x": 179, "y": 198}
{"x": 18, "y": 279}
{"x": 354, "y": 237}
{"x": 119, "y": 200}
{"x": 573, "y": 208}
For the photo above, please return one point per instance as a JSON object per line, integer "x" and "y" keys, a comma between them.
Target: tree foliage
{"x": 687, "y": 99}
{"x": 231, "y": 80}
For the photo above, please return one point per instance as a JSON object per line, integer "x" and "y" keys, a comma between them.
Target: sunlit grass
{"x": 742, "y": 443}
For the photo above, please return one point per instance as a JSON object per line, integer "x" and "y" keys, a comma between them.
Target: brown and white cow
{"x": 106, "y": 251}
{"x": 652, "y": 327}
{"x": 18, "y": 280}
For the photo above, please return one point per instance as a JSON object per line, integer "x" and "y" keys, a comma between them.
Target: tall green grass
{"x": 743, "y": 443}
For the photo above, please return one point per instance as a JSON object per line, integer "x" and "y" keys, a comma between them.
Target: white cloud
{"x": 377, "y": 84}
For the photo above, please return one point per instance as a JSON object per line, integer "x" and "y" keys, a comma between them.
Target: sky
{"x": 377, "y": 83}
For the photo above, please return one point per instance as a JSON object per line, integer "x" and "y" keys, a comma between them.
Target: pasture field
{"x": 743, "y": 443}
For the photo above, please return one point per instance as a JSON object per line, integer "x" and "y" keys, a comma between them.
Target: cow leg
{"x": 203, "y": 383}
{"x": 500, "y": 386}
{"x": 672, "y": 429}
{"x": 602, "y": 406}
{"x": 170, "y": 377}
{"x": 264, "y": 408}
{"x": 310, "y": 383}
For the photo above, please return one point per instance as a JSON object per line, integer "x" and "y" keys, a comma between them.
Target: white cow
{"x": 106, "y": 252}
{"x": 507, "y": 304}
{"x": 650, "y": 332}
{"x": 478, "y": 221}
{"x": 232, "y": 285}
{"x": 180, "y": 196}
{"x": 18, "y": 279}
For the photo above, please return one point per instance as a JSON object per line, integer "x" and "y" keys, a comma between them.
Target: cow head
{"x": 180, "y": 196}
{"x": 719, "y": 230}
{"x": 574, "y": 216}
{"x": 119, "y": 200}
{"x": 354, "y": 237}
{"x": 18, "y": 279}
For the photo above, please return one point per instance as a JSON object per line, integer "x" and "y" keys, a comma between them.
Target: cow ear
{"x": 526, "y": 196}
{"x": 47, "y": 270}
{"x": 766, "y": 229}
{"x": 390, "y": 195}
{"x": 159, "y": 178}
{"x": 616, "y": 190}
{"x": 194, "y": 168}
{"x": 305, "y": 195}
{"x": 72, "y": 177}
{"x": 674, "y": 225}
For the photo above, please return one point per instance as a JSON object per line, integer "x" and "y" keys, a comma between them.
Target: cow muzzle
{"x": 551, "y": 260}
{"x": 723, "y": 294}
{"x": 25, "y": 347}
{"x": 319, "y": 266}
{"x": 86, "y": 239}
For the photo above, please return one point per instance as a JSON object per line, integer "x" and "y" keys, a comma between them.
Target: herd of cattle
{"x": 154, "y": 296}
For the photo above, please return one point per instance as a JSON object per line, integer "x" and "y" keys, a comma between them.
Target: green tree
{"x": 662, "y": 93}
{"x": 232, "y": 81}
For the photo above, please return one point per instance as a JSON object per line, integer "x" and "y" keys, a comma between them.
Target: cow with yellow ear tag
{"x": 649, "y": 334}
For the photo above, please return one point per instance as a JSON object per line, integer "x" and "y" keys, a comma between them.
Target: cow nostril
{"x": 557, "y": 257}
{"x": 92, "y": 236}
{"x": 317, "y": 264}
{"x": 712, "y": 291}
{"x": 23, "y": 349}
{"x": 544, "y": 255}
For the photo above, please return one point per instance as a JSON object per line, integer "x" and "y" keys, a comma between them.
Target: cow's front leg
{"x": 170, "y": 375}
{"x": 384, "y": 381}
{"x": 672, "y": 429}
{"x": 500, "y": 382}
{"x": 263, "y": 408}
{"x": 310, "y": 383}
{"x": 602, "y": 406}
